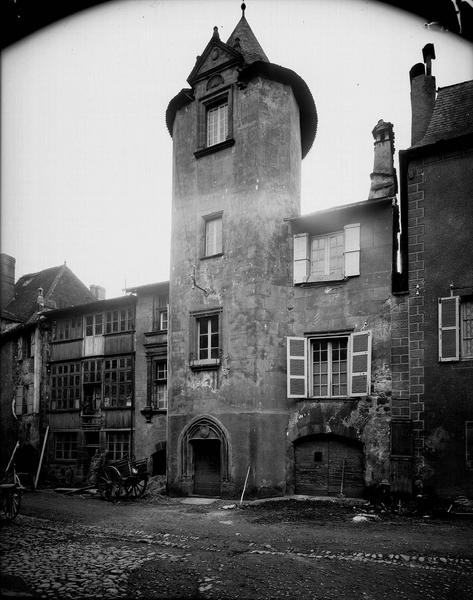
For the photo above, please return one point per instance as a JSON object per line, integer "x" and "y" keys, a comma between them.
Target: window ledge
{"x": 149, "y": 412}
{"x": 126, "y": 407}
{"x": 64, "y": 410}
{"x": 74, "y": 339}
{"x": 214, "y": 148}
{"x": 321, "y": 282}
{"x": 204, "y": 364}
{"x": 155, "y": 332}
{"x": 211, "y": 256}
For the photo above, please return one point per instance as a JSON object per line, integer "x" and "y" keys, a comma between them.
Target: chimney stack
{"x": 422, "y": 94}
{"x": 7, "y": 279}
{"x": 98, "y": 292}
{"x": 383, "y": 177}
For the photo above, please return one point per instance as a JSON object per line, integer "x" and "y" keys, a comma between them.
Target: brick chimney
{"x": 98, "y": 291}
{"x": 7, "y": 279}
{"x": 422, "y": 94}
{"x": 383, "y": 177}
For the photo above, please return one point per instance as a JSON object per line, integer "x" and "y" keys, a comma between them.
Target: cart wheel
{"x": 137, "y": 488}
{"x": 109, "y": 488}
{"x": 11, "y": 505}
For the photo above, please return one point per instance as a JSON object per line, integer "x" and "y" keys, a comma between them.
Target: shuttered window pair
{"x": 329, "y": 367}
{"x": 327, "y": 257}
{"x": 455, "y": 328}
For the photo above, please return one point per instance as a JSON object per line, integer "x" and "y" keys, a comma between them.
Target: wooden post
{"x": 41, "y": 457}
{"x": 12, "y": 455}
{"x": 246, "y": 481}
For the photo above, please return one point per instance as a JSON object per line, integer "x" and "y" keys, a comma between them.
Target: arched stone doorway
{"x": 204, "y": 451}
{"x": 328, "y": 465}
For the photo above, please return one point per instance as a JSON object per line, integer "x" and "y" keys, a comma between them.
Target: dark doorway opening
{"x": 207, "y": 467}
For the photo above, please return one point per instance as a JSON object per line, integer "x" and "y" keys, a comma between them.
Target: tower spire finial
{"x": 243, "y": 8}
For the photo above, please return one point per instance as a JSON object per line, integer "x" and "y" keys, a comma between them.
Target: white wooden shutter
{"x": 296, "y": 367}
{"x": 352, "y": 250}
{"x": 301, "y": 257}
{"x": 449, "y": 328}
{"x": 360, "y": 363}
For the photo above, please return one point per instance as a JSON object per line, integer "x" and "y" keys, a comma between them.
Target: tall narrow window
{"x": 118, "y": 444}
{"x": 217, "y": 123}
{"x": 213, "y": 236}
{"x": 160, "y": 313}
{"x": 159, "y": 390}
{"x": 208, "y": 337}
{"x": 65, "y": 386}
{"x": 327, "y": 257}
{"x": 118, "y": 381}
{"x": 329, "y": 368}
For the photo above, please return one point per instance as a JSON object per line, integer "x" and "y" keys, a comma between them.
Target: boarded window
{"x": 401, "y": 438}
{"x": 360, "y": 363}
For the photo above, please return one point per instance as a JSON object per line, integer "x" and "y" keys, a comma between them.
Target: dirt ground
{"x": 160, "y": 547}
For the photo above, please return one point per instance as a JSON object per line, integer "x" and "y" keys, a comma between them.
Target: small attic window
{"x": 215, "y": 119}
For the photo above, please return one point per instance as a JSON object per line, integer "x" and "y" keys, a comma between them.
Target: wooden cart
{"x": 123, "y": 478}
{"x": 10, "y": 499}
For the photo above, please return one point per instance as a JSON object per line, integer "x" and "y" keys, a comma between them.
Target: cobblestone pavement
{"x": 81, "y": 561}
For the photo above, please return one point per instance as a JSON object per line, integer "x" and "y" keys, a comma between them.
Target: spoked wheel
{"x": 108, "y": 485}
{"x": 11, "y": 505}
{"x": 137, "y": 487}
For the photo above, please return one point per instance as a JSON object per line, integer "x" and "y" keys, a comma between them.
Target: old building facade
{"x": 432, "y": 340}
{"x": 279, "y": 358}
{"x": 23, "y": 352}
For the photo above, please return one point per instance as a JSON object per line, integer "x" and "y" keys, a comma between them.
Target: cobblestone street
{"x": 225, "y": 555}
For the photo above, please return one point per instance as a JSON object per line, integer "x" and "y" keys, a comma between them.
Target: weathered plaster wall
{"x": 256, "y": 185}
{"x": 362, "y": 302}
{"x": 148, "y": 436}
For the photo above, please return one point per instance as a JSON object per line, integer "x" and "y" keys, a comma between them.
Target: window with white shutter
{"x": 296, "y": 367}
{"x": 301, "y": 257}
{"x": 337, "y": 366}
{"x": 360, "y": 368}
{"x": 352, "y": 250}
{"x": 449, "y": 334}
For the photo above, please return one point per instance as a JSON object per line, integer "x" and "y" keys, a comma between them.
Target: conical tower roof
{"x": 244, "y": 40}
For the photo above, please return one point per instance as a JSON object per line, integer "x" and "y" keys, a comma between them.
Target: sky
{"x": 86, "y": 158}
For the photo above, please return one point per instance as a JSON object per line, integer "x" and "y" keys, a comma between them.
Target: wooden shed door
{"x": 207, "y": 467}
{"x": 326, "y": 467}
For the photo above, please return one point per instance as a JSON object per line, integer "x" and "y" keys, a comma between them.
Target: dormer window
{"x": 217, "y": 123}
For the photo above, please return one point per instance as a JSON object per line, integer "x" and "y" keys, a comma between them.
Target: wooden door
{"x": 206, "y": 467}
{"x": 328, "y": 467}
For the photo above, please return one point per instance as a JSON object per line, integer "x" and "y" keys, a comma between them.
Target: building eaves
{"x": 354, "y": 206}
{"x": 149, "y": 287}
{"x": 89, "y": 307}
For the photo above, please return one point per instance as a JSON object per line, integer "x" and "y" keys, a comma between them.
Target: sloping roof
{"x": 452, "y": 115}
{"x": 247, "y": 42}
{"x": 60, "y": 288}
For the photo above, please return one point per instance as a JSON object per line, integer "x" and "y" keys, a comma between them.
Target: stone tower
{"x": 239, "y": 134}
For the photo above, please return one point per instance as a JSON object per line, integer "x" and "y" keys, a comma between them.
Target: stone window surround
{"x": 204, "y": 103}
